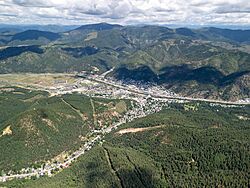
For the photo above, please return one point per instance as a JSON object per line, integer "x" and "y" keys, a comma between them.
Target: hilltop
{"x": 35, "y": 127}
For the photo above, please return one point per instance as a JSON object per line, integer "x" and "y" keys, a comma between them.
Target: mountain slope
{"x": 98, "y": 27}
{"x": 203, "y": 82}
{"x": 99, "y": 47}
{"x": 35, "y": 127}
{"x": 192, "y": 144}
{"x": 34, "y": 35}
{"x": 16, "y": 51}
{"x": 240, "y": 36}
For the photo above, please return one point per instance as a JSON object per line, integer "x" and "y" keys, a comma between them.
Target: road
{"x": 137, "y": 113}
{"x": 48, "y": 168}
{"x": 155, "y": 96}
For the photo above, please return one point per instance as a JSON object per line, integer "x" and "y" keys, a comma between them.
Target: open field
{"x": 135, "y": 130}
{"x": 45, "y": 80}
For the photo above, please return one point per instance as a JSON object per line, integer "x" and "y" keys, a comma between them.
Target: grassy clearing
{"x": 135, "y": 130}
{"x": 91, "y": 36}
{"x": 38, "y": 79}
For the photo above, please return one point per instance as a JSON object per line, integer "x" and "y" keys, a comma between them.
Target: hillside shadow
{"x": 178, "y": 75}
{"x": 80, "y": 52}
{"x": 15, "y": 51}
{"x": 183, "y": 73}
{"x": 139, "y": 178}
{"x": 126, "y": 178}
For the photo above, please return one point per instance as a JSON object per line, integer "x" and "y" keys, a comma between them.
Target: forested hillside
{"x": 35, "y": 127}
{"x": 189, "y": 58}
{"x": 185, "y": 145}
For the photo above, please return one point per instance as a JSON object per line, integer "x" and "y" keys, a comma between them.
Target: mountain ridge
{"x": 99, "y": 47}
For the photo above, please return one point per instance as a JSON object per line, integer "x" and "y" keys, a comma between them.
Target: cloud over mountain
{"x": 126, "y": 11}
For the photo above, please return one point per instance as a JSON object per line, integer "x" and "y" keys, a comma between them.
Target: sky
{"x": 126, "y": 12}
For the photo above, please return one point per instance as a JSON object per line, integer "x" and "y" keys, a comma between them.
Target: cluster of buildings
{"x": 142, "y": 106}
{"x": 146, "y": 99}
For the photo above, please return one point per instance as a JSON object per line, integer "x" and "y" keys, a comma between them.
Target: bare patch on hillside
{"x": 32, "y": 99}
{"x": 215, "y": 126}
{"x": 49, "y": 123}
{"x": 166, "y": 140}
{"x": 243, "y": 118}
{"x": 91, "y": 36}
{"x": 27, "y": 124}
{"x": 7, "y": 131}
{"x": 61, "y": 157}
{"x": 64, "y": 115}
{"x": 135, "y": 130}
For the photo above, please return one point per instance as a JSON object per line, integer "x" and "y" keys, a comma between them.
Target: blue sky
{"x": 179, "y": 12}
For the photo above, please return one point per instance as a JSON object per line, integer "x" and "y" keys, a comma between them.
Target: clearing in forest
{"x": 135, "y": 130}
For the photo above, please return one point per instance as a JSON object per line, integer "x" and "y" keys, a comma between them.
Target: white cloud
{"x": 126, "y": 11}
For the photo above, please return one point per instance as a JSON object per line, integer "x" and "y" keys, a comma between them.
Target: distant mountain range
{"x": 99, "y": 27}
{"x": 206, "y": 62}
{"x": 51, "y": 28}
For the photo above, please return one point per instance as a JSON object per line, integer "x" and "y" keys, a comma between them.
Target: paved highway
{"x": 88, "y": 145}
{"x": 155, "y": 96}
